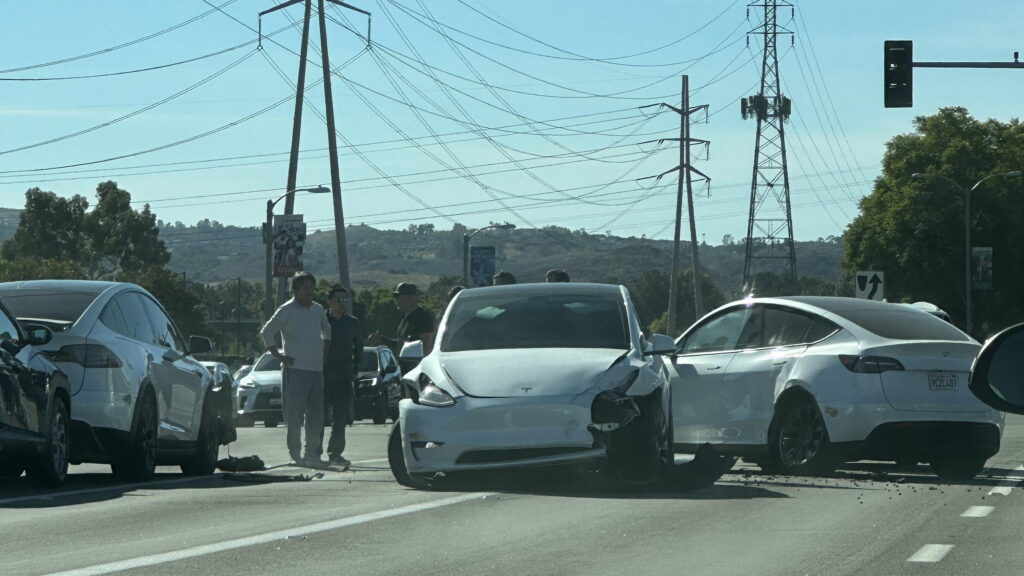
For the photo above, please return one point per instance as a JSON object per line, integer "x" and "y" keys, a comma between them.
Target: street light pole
{"x": 465, "y": 247}
{"x": 967, "y": 232}
{"x": 268, "y": 238}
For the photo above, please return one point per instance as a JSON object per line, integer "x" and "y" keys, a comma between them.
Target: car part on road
{"x": 138, "y": 460}
{"x": 702, "y": 472}
{"x": 798, "y": 439}
{"x": 204, "y": 461}
{"x": 51, "y": 465}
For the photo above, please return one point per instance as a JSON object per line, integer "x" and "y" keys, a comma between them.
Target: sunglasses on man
{"x": 342, "y": 299}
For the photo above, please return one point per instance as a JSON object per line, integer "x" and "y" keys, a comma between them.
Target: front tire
{"x": 138, "y": 463}
{"x": 396, "y": 460}
{"x": 204, "y": 461}
{"x": 798, "y": 441}
{"x": 51, "y": 467}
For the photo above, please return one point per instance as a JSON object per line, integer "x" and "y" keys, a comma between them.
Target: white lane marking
{"x": 978, "y": 511}
{"x": 132, "y": 486}
{"x": 931, "y": 553}
{"x": 205, "y": 549}
{"x": 1005, "y": 487}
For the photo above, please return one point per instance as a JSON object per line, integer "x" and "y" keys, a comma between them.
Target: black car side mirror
{"x": 37, "y": 335}
{"x": 997, "y": 377}
{"x": 199, "y": 345}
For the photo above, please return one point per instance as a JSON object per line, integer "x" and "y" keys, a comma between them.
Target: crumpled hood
{"x": 528, "y": 372}
{"x": 264, "y": 378}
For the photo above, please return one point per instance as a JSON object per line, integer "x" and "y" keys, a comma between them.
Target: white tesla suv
{"x": 802, "y": 384}
{"x": 138, "y": 398}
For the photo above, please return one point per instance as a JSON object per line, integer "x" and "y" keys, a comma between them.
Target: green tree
{"x": 913, "y": 230}
{"x": 32, "y": 269}
{"x": 111, "y": 238}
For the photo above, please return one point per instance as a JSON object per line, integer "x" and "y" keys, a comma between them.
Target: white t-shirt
{"x": 303, "y": 330}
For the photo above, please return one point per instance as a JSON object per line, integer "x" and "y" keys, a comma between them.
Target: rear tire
{"x": 380, "y": 410}
{"x": 245, "y": 421}
{"x": 798, "y": 441}
{"x": 204, "y": 461}
{"x": 138, "y": 463}
{"x": 51, "y": 467}
{"x": 957, "y": 467}
{"x": 271, "y": 423}
{"x": 396, "y": 459}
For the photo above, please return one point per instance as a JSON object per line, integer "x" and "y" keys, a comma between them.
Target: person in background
{"x": 302, "y": 327}
{"x": 502, "y": 278}
{"x": 341, "y": 366}
{"x": 556, "y": 275}
{"x": 417, "y": 322}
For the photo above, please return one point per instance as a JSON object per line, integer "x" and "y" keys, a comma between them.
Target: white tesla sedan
{"x": 802, "y": 384}
{"x": 138, "y": 398}
{"x": 536, "y": 375}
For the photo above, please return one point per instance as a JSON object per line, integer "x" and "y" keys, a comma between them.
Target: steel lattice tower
{"x": 769, "y": 238}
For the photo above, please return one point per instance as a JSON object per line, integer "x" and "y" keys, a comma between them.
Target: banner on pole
{"x": 481, "y": 266}
{"x": 981, "y": 267}
{"x": 289, "y": 240}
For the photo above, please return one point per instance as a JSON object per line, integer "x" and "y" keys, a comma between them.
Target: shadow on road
{"x": 99, "y": 487}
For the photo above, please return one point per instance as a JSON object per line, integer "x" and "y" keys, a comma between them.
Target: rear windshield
{"x": 59, "y": 306}
{"x": 904, "y": 324}
{"x": 544, "y": 321}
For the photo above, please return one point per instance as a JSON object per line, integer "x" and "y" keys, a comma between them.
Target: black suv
{"x": 34, "y": 406}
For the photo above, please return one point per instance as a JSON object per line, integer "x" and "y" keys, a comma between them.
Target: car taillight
{"x": 88, "y": 355}
{"x": 869, "y": 364}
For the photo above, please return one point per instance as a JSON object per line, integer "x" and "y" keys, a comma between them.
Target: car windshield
{"x": 267, "y": 363}
{"x": 900, "y": 324}
{"x": 369, "y": 360}
{"x": 488, "y": 322}
{"x": 60, "y": 306}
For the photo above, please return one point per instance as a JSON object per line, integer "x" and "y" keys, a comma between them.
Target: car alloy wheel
{"x": 139, "y": 461}
{"x": 51, "y": 467}
{"x": 801, "y": 444}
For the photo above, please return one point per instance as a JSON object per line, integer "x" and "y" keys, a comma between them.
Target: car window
{"x": 716, "y": 334}
{"x": 368, "y": 361}
{"x": 900, "y": 324}
{"x": 267, "y": 363}
{"x": 8, "y": 329}
{"x": 113, "y": 318}
{"x": 136, "y": 322}
{"x": 786, "y": 327}
{"x": 165, "y": 333}
{"x": 391, "y": 362}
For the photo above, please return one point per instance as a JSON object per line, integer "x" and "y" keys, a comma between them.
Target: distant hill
{"x": 210, "y": 252}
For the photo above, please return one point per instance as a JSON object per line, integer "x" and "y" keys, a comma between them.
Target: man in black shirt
{"x": 417, "y": 324}
{"x": 341, "y": 365}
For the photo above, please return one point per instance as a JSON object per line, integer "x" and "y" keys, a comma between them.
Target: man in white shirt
{"x": 304, "y": 331}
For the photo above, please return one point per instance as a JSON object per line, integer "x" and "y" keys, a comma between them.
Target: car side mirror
{"x": 199, "y": 344}
{"x": 661, "y": 345}
{"x": 37, "y": 335}
{"x": 997, "y": 377}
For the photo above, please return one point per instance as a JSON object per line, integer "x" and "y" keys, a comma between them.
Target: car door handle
{"x": 780, "y": 362}
{"x": 712, "y": 368}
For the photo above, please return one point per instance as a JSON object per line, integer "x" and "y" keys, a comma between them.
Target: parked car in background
{"x": 35, "y": 403}
{"x": 378, "y": 388}
{"x": 138, "y": 398}
{"x": 802, "y": 384}
{"x": 537, "y": 375}
{"x": 241, "y": 372}
{"x": 259, "y": 394}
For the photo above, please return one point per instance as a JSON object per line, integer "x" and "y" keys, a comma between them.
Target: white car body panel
{"x": 736, "y": 407}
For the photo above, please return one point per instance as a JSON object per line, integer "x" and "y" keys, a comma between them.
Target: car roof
{"x": 836, "y": 304}
{"x": 545, "y": 288}
{"x": 87, "y": 286}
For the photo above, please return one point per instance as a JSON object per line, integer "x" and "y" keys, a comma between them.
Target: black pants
{"x": 338, "y": 400}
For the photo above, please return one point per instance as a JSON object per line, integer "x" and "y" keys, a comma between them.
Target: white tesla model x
{"x": 802, "y": 384}
{"x": 536, "y": 375}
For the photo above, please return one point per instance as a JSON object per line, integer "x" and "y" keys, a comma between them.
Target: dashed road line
{"x": 978, "y": 511}
{"x": 1014, "y": 478}
{"x": 931, "y": 553}
{"x": 258, "y": 539}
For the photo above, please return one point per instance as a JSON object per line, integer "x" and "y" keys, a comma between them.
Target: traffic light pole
{"x": 898, "y": 73}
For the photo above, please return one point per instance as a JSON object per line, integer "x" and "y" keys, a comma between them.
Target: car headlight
{"x": 431, "y": 395}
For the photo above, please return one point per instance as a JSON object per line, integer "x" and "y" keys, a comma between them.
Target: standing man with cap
{"x": 302, "y": 326}
{"x": 341, "y": 365}
{"x": 417, "y": 324}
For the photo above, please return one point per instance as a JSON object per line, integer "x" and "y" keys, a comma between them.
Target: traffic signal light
{"x": 899, "y": 73}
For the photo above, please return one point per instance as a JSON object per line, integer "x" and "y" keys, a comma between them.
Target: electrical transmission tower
{"x": 768, "y": 235}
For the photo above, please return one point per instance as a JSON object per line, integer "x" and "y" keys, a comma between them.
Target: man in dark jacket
{"x": 341, "y": 365}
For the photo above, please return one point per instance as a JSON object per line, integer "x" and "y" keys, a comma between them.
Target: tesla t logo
{"x": 526, "y": 390}
{"x": 945, "y": 354}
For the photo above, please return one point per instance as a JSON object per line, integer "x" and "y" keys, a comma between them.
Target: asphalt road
{"x": 869, "y": 518}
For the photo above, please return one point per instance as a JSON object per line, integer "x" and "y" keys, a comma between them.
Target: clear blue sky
{"x": 568, "y": 112}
